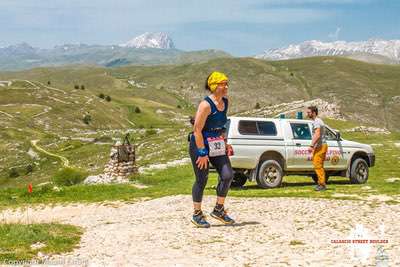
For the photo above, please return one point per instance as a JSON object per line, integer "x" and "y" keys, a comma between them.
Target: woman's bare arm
{"x": 203, "y": 111}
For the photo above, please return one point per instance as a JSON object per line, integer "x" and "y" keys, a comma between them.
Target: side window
{"x": 266, "y": 128}
{"x": 329, "y": 135}
{"x": 257, "y": 128}
{"x": 248, "y": 127}
{"x": 301, "y": 131}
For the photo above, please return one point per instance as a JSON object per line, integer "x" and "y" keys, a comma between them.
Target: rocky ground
{"x": 269, "y": 232}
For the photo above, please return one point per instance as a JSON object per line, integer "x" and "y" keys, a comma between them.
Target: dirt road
{"x": 269, "y": 232}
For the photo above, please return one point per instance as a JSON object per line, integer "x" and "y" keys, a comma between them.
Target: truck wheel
{"x": 239, "y": 179}
{"x": 315, "y": 178}
{"x": 359, "y": 171}
{"x": 270, "y": 174}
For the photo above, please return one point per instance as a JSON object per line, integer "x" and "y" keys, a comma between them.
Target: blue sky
{"x": 242, "y": 28}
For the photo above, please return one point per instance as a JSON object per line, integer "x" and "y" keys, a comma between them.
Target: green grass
{"x": 16, "y": 240}
{"x": 179, "y": 180}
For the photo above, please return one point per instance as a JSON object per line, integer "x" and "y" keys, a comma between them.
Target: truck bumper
{"x": 371, "y": 158}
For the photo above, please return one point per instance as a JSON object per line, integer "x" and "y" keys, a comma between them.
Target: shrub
{"x": 45, "y": 188}
{"x": 76, "y": 86}
{"x": 108, "y": 98}
{"x": 257, "y": 105}
{"x": 82, "y": 87}
{"x": 104, "y": 139}
{"x": 48, "y": 82}
{"x": 28, "y": 169}
{"x": 87, "y": 119}
{"x": 179, "y": 106}
{"x": 137, "y": 110}
{"x": 69, "y": 176}
{"x": 13, "y": 173}
{"x": 101, "y": 95}
{"x": 150, "y": 132}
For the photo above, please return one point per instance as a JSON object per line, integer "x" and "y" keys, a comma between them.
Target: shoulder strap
{"x": 213, "y": 107}
{"x": 226, "y": 103}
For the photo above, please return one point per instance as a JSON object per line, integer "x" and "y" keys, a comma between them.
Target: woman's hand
{"x": 202, "y": 162}
{"x": 229, "y": 149}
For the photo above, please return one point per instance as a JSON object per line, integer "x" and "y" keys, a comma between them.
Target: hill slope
{"x": 50, "y": 106}
{"x": 368, "y": 93}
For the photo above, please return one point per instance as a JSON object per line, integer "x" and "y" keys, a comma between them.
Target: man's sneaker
{"x": 222, "y": 216}
{"x": 320, "y": 188}
{"x": 199, "y": 219}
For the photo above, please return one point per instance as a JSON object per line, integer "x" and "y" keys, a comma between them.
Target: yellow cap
{"x": 215, "y": 78}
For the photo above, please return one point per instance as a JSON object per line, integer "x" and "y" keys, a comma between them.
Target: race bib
{"x": 216, "y": 146}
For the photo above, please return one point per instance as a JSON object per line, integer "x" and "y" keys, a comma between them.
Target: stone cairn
{"x": 119, "y": 167}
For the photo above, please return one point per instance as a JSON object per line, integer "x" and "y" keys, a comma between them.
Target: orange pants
{"x": 318, "y": 162}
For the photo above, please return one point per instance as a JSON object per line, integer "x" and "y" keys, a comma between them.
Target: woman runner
{"x": 208, "y": 144}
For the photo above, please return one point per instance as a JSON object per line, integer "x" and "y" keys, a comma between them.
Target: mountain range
{"x": 374, "y": 50}
{"x": 145, "y": 49}
{"x": 154, "y": 48}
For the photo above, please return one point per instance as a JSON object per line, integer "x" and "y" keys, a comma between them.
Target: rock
{"x": 38, "y": 245}
{"x": 392, "y": 180}
{"x": 365, "y": 129}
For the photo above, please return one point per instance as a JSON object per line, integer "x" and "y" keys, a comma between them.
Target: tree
{"x": 108, "y": 98}
{"x": 257, "y": 105}
{"x": 76, "y": 86}
{"x": 13, "y": 173}
{"x": 137, "y": 110}
{"x": 82, "y": 87}
{"x": 87, "y": 119}
{"x": 101, "y": 95}
{"x": 48, "y": 82}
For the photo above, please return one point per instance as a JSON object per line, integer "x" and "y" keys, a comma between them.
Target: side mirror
{"x": 338, "y": 136}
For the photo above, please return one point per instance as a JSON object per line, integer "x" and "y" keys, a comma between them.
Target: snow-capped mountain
{"x": 150, "y": 40}
{"x": 386, "y": 48}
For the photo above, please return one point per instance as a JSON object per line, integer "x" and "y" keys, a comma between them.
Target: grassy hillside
{"x": 60, "y": 109}
{"x": 369, "y": 93}
{"x": 53, "y": 114}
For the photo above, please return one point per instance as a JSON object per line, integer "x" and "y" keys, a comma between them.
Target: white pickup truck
{"x": 265, "y": 150}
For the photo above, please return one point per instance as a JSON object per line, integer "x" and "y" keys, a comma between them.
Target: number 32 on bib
{"x": 216, "y": 146}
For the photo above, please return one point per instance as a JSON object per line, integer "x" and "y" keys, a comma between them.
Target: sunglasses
{"x": 223, "y": 84}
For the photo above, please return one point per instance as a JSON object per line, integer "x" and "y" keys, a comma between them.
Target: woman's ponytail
{"x": 207, "y": 87}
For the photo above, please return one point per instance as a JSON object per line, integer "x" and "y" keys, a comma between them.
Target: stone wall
{"x": 122, "y": 163}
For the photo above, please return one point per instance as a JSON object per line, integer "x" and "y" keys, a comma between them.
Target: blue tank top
{"x": 216, "y": 120}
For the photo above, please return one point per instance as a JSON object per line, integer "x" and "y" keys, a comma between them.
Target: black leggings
{"x": 223, "y": 167}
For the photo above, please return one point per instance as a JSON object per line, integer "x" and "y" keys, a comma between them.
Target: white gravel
{"x": 269, "y": 232}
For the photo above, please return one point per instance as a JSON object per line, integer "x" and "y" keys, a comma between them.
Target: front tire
{"x": 270, "y": 174}
{"x": 359, "y": 171}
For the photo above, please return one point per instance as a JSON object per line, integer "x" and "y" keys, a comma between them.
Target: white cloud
{"x": 335, "y": 35}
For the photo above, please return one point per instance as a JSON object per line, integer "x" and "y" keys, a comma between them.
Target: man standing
{"x": 318, "y": 147}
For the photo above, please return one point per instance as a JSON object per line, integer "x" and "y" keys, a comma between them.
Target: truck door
{"x": 336, "y": 157}
{"x": 297, "y": 148}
